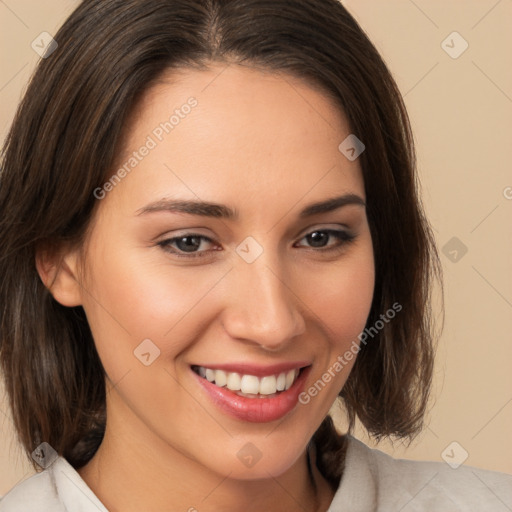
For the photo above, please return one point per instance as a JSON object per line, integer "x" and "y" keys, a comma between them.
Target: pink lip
{"x": 257, "y": 370}
{"x": 256, "y": 410}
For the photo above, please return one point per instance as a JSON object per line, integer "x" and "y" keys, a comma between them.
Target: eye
{"x": 320, "y": 238}
{"x": 192, "y": 245}
{"x": 186, "y": 245}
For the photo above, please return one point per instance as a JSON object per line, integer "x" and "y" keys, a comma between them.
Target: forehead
{"x": 233, "y": 131}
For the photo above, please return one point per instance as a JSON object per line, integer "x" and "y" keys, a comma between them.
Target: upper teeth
{"x": 249, "y": 383}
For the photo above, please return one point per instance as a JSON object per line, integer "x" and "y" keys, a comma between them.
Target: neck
{"x": 130, "y": 476}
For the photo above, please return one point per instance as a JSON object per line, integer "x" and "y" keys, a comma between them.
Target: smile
{"x": 250, "y": 386}
{"x": 251, "y": 392}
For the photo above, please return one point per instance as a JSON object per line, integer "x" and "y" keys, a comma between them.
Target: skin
{"x": 265, "y": 145}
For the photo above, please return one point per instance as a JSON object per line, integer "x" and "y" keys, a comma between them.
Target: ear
{"x": 58, "y": 269}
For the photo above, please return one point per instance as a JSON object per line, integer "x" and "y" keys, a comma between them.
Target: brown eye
{"x": 320, "y": 238}
{"x": 187, "y": 245}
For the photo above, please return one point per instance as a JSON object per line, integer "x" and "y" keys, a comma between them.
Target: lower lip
{"x": 256, "y": 410}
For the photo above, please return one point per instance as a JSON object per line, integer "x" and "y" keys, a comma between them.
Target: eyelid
{"x": 186, "y": 232}
{"x": 166, "y": 245}
{"x": 177, "y": 233}
{"x": 343, "y": 236}
{"x": 323, "y": 227}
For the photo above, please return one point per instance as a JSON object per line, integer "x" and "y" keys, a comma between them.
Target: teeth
{"x": 233, "y": 381}
{"x": 268, "y": 385}
{"x": 281, "y": 382}
{"x": 250, "y": 385}
{"x": 221, "y": 378}
{"x": 290, "y": 377}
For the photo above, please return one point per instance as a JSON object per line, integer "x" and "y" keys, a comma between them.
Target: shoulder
{"x": 379, "y": 482}
{"x": 35, "y": 493}
{"x": 59, "y": 488}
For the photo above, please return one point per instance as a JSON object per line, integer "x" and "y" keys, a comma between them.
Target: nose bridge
{"x": 262, "y": 308}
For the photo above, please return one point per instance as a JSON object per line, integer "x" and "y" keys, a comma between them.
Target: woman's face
{"x": 261, "y": 285}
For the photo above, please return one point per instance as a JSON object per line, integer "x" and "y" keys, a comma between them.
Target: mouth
{"x": 250, "y": 386}
{"x": 268, "y": 396}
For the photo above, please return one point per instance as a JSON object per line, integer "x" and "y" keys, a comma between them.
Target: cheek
{"x": 131, "y": 298}
{"x": 342, "y": 304}
{"x": 343, "y": 298}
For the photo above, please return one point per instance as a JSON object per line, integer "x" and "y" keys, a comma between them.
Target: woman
{"x": 219, "y": 234}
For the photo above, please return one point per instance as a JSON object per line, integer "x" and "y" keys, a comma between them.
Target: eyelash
{"x": 344, "y": 238}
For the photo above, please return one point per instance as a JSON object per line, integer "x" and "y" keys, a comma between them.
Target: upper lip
{"x": 257, "y": 370}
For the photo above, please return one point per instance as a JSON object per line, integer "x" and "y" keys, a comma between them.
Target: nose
{"x": 262, "y": 308}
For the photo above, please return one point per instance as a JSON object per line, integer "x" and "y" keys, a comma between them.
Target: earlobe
{"x": 59, "y": 273}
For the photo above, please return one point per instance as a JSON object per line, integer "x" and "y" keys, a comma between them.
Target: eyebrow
{"x": 207, "y": 209}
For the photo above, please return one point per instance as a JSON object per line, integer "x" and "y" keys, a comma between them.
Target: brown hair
{"x": 67, "y": 133}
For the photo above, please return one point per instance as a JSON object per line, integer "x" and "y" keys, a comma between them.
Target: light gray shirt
{"x": 372, "y": 482}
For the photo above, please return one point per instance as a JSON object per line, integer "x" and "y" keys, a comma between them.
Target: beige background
{"x": 461, "y": 111}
